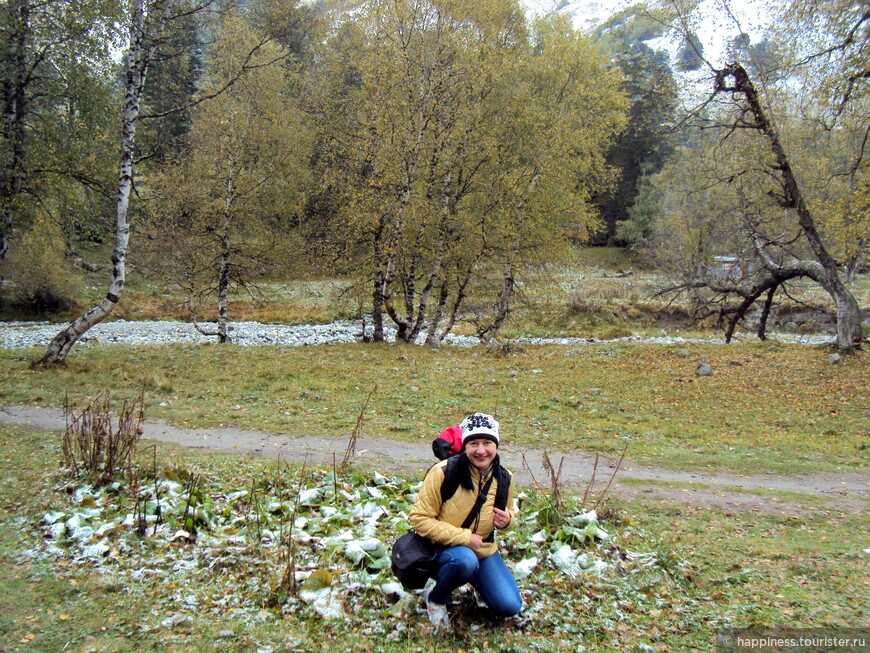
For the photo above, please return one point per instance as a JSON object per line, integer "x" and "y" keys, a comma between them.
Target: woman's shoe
{"x": 437, "y": 612}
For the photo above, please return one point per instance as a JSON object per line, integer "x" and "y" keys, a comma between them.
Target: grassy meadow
{"x": 664, "y": 580}
{"x": 206, "y": 568}
{"x": 765, "y": 408}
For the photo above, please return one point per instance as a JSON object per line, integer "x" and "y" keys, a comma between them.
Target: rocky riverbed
{"x": 16, "y": 335}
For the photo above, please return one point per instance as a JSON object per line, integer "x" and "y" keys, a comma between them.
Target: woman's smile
{"x": 481, "y": 452}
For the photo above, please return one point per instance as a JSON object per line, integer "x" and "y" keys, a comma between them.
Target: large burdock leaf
{"x": 592, "y": 531}
{"x": 327, "y": 602}
{"x": 317, "y": 580}
{"x": 356, "y": 550}
{"x": 310, "y": 497}
{"x": 378, "y": 563}
{"x": 407, "y": 604}
{"x": 590, "y": 517}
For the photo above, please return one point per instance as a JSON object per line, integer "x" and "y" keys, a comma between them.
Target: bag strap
{"x": 501, "y": 496}
{"x": 475, "y": 509}
{"x": 451, "y": 477}
{"x": 504, "y": 485}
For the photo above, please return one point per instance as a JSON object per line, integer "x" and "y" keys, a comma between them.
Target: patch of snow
{"x": 97, "y": 550}
{"x": 375, "y": 493}
{"x": 393, "y": 588}
{"x": 563, "y": 558}
{"x": 540, "y": 536}
{"x": 326, "y": 602}
{"x": 366, "y": 509}
{"x": 52, "y": 517}
{"x": 524, "y": 568}
{"x": 174, "y": 620}
{"x": 309, "y": 497}
{"x": 572, "y": 562}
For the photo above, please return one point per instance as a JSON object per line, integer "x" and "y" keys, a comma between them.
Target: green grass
{"x": 782, "y": 409}
{"x": 611, "y": 259}
{"x": 775, "y": 570}
{"x": 803, "y": 499}
{"x": 45, "y": 607}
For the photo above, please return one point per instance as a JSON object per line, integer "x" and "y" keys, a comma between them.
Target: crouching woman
{"x": 471, "y": 554}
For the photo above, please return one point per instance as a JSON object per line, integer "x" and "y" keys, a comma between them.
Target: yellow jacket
{"x": 440, "y": 522}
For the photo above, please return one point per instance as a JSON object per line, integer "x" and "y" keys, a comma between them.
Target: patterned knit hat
{"x": 479, "y": 426}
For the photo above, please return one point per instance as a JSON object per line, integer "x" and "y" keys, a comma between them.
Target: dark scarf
{"x": 465, "y": 479}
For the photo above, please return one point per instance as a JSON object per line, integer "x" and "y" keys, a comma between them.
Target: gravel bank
{"x": 18, "y": 335}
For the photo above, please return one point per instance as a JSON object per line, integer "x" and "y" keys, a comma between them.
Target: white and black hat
{"x": 479, "y": 426}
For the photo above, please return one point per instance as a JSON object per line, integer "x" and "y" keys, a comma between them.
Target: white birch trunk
{"x": 507, "y": 293}
{"x": 432, "y": 339}
{"x": 138, "y": 59}
{"x": 62, "y": 343}
{"x": 391, "y": 253}
{"x": 415, "y": 131}
{"x": 437, "y": 264}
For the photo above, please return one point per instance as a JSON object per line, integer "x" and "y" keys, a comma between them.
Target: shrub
{"x": 38, "y": 278}
{"x": 98, "y": 447}
{"x": 615, "y": 332}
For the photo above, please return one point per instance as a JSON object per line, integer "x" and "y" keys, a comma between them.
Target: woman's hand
{"x": 500, "y": 518}
{"x": 475, "y": 542}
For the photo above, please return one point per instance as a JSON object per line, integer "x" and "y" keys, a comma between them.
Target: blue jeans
{"x": 492, "y": 579}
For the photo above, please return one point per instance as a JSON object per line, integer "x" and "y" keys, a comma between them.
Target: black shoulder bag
{"x": 414, "y": 556}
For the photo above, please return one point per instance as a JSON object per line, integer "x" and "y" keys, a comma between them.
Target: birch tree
{"x": 245, "y": 168}
{"x": 408, "y": 141}
{"x": 567, "y": 107}
{"x": 149, "y": 22}
{"x": 482, "y": 46}
{"x": 54, "y": 90}
{"x": 458, "y": 146}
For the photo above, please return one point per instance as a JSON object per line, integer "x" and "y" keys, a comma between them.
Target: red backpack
{"x": 448, "y": 443}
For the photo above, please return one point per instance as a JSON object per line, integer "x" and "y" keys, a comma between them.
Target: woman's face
{"x": 481, "y": 452}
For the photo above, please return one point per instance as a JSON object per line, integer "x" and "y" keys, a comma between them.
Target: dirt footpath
{"x": 847, "y": 492}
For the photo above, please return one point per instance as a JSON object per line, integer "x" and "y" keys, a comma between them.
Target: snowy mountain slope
{"x": 714, "y": 29}
{"x": 586, "y": 15}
